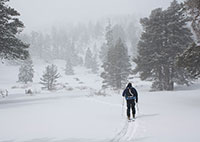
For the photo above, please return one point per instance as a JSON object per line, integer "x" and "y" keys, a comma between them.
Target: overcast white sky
{"x": 43, "y": 13}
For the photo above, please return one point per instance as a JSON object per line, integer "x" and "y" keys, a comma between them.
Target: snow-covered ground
{"x": 75, "y": 114}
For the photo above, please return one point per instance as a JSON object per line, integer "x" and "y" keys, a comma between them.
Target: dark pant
{"x": 131, "y": 105}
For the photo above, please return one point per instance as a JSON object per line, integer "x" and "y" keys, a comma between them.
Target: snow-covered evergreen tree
{"x": 148, "y": 48}
{"x": 88, "y": 59}
{"x": 179, "y": 38}
{"x": 103, "y": 52}
{"x": 116, "y": 67}
{"x": 190, "y": 60}
{"x": 91, "y": 61}
{"x": 109, "y": 42}
{"x": 193, "y": 8}
{"x": 94, "y": 65}
{"x": 165, "y": 35}
{"x": 49, "y": 77}
{"x": 10, "y": 46}
{"x": 118, "y": 32}
{"x": 72, "y": 54}
{"x": 26, "y": 72}
{"x": 69, "y": 68}
{"x": 109, "y": 35}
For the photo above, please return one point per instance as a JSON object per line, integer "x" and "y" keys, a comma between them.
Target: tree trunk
{"x": 171, "y": 86}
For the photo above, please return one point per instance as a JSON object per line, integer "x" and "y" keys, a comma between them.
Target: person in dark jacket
{"x": 131, "y": 97}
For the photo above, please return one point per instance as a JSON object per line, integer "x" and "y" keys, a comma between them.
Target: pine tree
{"x": 94, "y": 65}
{"x": 10, "y": 46}
{"x": 71, "y": 54}
{"x": 118, "y": 32}
{"x": 88, "y": 59}
{"x": 26, "y": 72}
{"x": 190, "y": 60}
{"x": 49, "y": 77}
{"x": 109, "y": 42}
{"x": 165, "y": 35}
{"x": 148, "y": 48}
{"x": 69, "y": 68}
{"x": 193, "y": 8}
{"x": 109, "y": 36}
{"x": 103, "y": 52}
{"x": 179, "y": 39}
{"x": 91, "y": 61}
{"x": 116, "y": 67}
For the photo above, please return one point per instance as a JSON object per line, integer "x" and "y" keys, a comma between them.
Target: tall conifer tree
{"x": 88, "y": 59}
{"x": 116, "y": 67}
{"x": 10, "y": 46}
{"x": 69, "y": 68}
{"x": 165, "y": 36}
{"x": 26, "y": 72}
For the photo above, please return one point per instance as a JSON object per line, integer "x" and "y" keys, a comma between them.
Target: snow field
{"x": 77, "y": 115}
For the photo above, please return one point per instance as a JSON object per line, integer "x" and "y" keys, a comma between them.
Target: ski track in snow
{"x": 131, "y": 130}
{"x": 121, "y": 133}
{"x": 127, "y": 133}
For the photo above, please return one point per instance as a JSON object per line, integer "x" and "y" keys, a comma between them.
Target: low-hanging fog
{"x": 42, "y": 14}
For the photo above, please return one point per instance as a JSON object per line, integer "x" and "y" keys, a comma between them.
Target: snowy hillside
{"x": 74, "y": 113}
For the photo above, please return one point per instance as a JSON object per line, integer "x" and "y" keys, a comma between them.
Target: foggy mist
{"x": 41, "y": 14}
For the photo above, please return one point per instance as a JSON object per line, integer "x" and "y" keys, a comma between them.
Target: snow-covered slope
{"x": 76, "y": 115}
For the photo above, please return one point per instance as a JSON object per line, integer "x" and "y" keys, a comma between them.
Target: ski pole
{"x": 122, "y": 106}
{"x": 137, "y": 107}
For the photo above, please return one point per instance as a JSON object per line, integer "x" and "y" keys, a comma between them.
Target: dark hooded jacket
{"x": 130, "y": 93}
